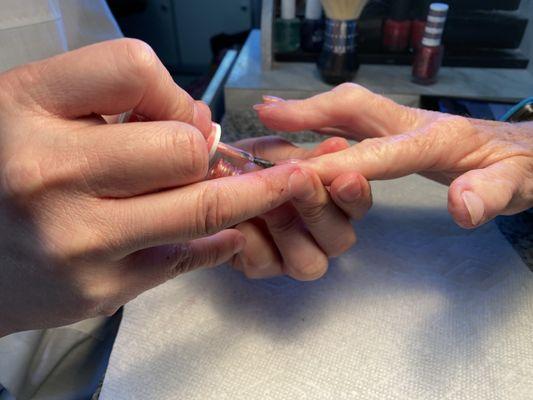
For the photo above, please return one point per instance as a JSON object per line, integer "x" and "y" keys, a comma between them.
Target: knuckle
{"x": 282, "y": 224}
{"x": 141, "y": 56}
{"x": 314, "y": 214}
{"x": 375, "y": 146}
{"x": 21, "y": 178}
{"x": 215, "y": 211}
{"x": 348, "y": 87}
{"x": 187, "y": 150}
{"x": 183, "y": 260}
{"x": 84, "y": 245}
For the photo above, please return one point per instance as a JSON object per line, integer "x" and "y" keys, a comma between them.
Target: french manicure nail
{"x": 350, "y": 192}
{"x": 301, "y": 185}
{"x": 272, "y": 99}
{"x": 475, "y": 206}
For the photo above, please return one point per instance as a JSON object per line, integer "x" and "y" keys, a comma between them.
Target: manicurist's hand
{"x": 298, "y": 237}
{"x": 488, "y": 165}
{"x": 92, "y": 214}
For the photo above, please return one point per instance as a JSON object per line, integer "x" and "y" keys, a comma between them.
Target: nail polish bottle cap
{"x": 435, "y": 24}
{"x": 313, "y": 9}
{"x": 288, "y": 9}
{"x": 400, "y": 10}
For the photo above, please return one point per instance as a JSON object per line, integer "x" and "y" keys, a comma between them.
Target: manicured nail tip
{"x": 262, "y": 106}
{"x": 350, "y": 192}
{"x": 290, "y": 161}
{"x": 475, "y": 207}
{"x": 272, "y": 99}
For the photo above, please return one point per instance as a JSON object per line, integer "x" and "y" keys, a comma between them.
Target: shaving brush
{"x": 338, "y": 61}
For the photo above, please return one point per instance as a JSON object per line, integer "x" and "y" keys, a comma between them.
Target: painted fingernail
{"x": 475, "y": 206}
{"x": 350, "y": 192}
{"x": 263, "y": 106}
{"x": 272, "y": 99}
{"x": 240, "y": 244}
{"x": 301, "y": 185}
{"x": 289, "y": 161}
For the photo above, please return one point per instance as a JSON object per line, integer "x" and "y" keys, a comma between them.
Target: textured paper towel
{"x": 419, "y": 309}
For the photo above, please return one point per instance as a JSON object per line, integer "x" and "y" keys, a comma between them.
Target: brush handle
{"x": 338, "y": 61}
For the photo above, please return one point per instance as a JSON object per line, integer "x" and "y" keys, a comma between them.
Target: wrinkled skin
{"x": 487, "y": 165}
{"x": 299, "y": 237}
{"x": 94, "y": 212}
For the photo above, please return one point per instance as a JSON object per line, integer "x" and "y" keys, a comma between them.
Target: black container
{"x": 338, "y": 61}
{"x": 312, "y": 35}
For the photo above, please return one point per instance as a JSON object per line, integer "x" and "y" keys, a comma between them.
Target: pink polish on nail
{"x": 272, "y": 99}
{"x": 262, "y": 106}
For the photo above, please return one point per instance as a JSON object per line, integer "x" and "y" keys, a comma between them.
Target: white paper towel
{"x": 420, "y": 309}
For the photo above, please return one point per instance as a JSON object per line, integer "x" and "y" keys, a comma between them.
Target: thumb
{"x": 480, "y": 195}
{"x": 151, "y": 267}
{"x": 349, "y": 106}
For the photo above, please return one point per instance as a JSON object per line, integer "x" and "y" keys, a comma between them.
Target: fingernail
{"x": 350, "y": 192}
{"x": 272, "y": 99}
{"x": 474, "y": 205}
{"x": 301, "y": 185}
{"x": 213, "y": 139}
{"x": 240, "y": 244}
{"x": 263, "y": 106}
{"x": 291, "y": 161}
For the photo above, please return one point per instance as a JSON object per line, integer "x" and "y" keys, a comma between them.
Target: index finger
{"x": 427, "y": 149}
{"x": 109, "y": 78}
{"x": 196, "y": 210}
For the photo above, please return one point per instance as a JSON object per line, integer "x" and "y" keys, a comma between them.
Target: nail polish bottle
{"x": 226, "y": 160}
{"x": 397, "y": 27}
{"x": 287, "y": 28}
{"x": 418, "y": 26}
{"x": 428, "y": 57}
{"x": 312, "y": 32}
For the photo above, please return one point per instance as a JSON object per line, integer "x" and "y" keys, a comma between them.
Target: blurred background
{"x": 486, "y": 58}
{"x": 190, "y": 37}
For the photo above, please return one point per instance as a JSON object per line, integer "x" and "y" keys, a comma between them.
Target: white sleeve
{"x": 34, "y": 29}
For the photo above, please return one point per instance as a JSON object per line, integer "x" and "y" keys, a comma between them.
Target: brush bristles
{"x": 344, "y": 10}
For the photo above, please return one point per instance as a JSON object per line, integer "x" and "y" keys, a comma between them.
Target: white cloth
{"x": 420, "y": 309}
{"x": 57, "y": 363}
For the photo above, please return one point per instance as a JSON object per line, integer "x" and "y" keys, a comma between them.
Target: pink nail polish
{"x": 272, "y": 99}
{"x": 263, "y": 106}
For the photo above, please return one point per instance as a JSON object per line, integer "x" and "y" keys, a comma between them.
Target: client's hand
{"x": 488, "y": 165}
{"x": 298, "y": 237}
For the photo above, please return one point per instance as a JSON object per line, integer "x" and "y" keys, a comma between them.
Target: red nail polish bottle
{"x": 397, "y": 27}
{"x": 428, "y": 58}
{"x": 418, "y": 26}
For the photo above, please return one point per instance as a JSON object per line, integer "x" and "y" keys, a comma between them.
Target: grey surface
{"x": 419, "y": 309}
{"x": 248, "y": 81}
{"x": 242, "y": 124}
